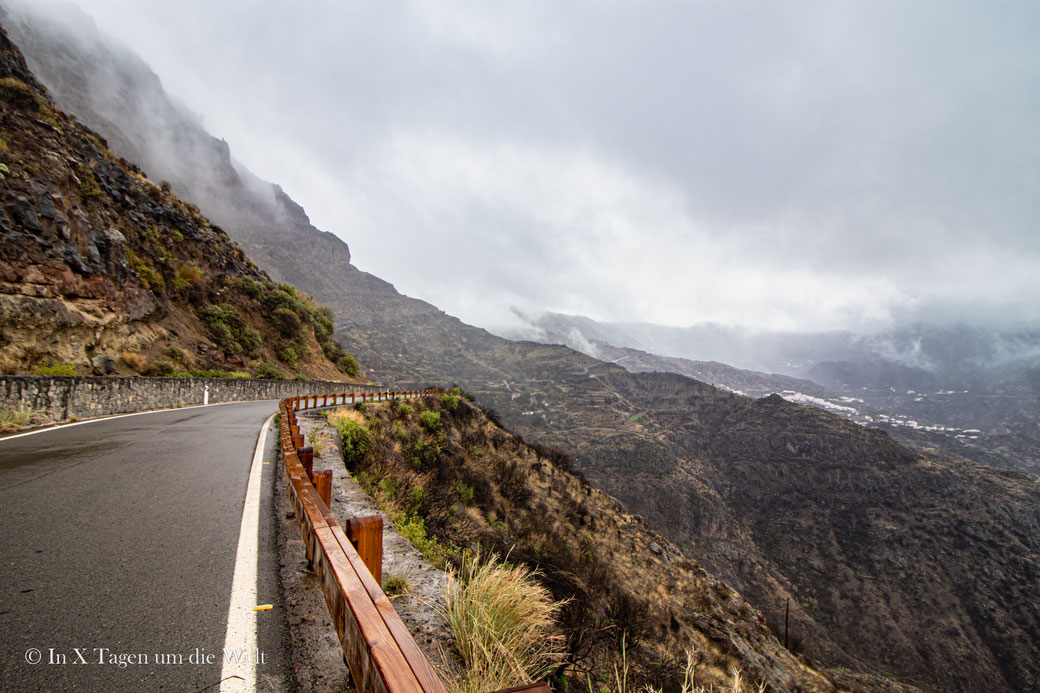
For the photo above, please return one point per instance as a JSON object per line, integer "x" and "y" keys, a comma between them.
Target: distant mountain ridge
{"x": 981, "y": 387}
{"x": 932, "y": 580}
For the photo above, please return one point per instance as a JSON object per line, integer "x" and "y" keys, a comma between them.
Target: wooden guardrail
{"x": 377, "y": 647}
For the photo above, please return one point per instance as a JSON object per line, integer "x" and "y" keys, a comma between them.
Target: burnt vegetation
{"x": 474, "y": 486}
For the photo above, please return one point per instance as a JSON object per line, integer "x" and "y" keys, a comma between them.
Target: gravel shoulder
{"x": 317, "y": 659}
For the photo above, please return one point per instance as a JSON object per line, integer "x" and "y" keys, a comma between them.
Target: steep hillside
{"x": 103, "y": 271}
{"x": 784, "y": 501}
{"x": 910, "y": 564}
{"x": 456, "y": 479}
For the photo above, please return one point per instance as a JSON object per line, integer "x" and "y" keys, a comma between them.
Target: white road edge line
{"x": 240, "y": 676}
{"x": 123, "y": 416}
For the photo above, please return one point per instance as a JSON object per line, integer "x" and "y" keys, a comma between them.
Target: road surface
{"x": 118, "y": 549}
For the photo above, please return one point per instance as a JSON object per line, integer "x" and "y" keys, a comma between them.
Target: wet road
{"x": 119, "y": 540}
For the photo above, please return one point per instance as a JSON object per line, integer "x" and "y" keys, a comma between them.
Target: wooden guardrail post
{"x": 366, "y": 534}
{"x": 323, "y": 485}
{"x": 306, "y": 455}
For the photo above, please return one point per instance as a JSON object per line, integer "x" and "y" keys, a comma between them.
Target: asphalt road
{"x": 119, "y": 539}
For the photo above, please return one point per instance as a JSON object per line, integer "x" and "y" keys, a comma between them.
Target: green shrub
{"x": 388, "y": 487}
{"x": 464, "y": 491}
{"x": 229, "y": 329}
{"x": 250, "y": 340}
{"x": 333, "y": 351}
{"x": 431, "y": 421}
{"x": 287, "y": 322}
{"x": 252, "y": 288}
{"x": 291, "y": 353}
{"x": 421, "y": 454}
{"x": 146, "y": 272}
{"x": 413, "y": 529}
{"x": 53, "y": 368}
{"x": 300, "y": 377}
{"x": 417, "y": 498}
{"x": 162, "y": 368}
{"x": 355, "y": 440}
{"x": 405, "y": 409}
{"x": 321, "y": 318}
{"x": 349, "y": 365}
{"x": 449, "y": 401}
{"x": 282, "y": 296}
{"x": 268, "y": 371}
{"x": 175, "y": 352}
{"x": 216, "y": 373}
{"x": 88, "y": 185}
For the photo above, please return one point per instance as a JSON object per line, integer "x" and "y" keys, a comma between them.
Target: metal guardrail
{"x": 380, "y": 652}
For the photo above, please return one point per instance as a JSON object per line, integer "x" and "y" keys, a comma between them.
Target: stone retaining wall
{"x": 63, "y": 397}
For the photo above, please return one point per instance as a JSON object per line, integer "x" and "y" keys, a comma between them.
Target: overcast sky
{"x": 794, "y": 165}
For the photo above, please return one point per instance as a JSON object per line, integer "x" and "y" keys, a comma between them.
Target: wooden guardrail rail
{"x": 380, "y": 652}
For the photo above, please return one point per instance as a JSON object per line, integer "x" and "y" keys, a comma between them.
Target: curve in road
{"x": 119, "y": 541}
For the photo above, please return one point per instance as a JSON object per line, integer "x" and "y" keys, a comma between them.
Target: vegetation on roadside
{"x": 453, "y": 482}
{"x": 16, "y": 419}
{"x": 503, "y": 622}
{"x": 52, "y": 368}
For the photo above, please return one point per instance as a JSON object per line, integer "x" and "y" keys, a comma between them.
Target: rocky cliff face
{"x": 102, "y": 270}
{"x": 895, "y": 563}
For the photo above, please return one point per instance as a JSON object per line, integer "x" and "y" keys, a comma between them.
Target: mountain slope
{"x": 476, "y": 485}
{"x": 779, "y": 498}
{"x": 103, "y": 270}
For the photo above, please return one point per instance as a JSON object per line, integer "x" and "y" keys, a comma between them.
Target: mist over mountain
{"x": 918, "y": 567}
{"x": 821, "y": 166}
{"x": 958, "y": 390}
{"x": 956, "y": 352}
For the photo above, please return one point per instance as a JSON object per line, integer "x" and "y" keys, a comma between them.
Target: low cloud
{"x": 805, "y": 165}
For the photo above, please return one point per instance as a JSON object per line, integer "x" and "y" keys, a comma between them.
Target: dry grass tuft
{"x": 14, "y": 420}
{"x": 343, "y": 413}
{"x": 503, "y": 623}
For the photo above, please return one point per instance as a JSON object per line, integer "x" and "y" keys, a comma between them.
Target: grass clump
{"x": 146, "y": 272}
{"x": 187, "y": 276}
{"x": 320, "y": 441}
{"x": 135, "y": 361}
{"x": 15, "y": 419}
{"x": 503, "y": 625}
{"x": 394, "y": 584}
{"x": 55, "y": 368}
